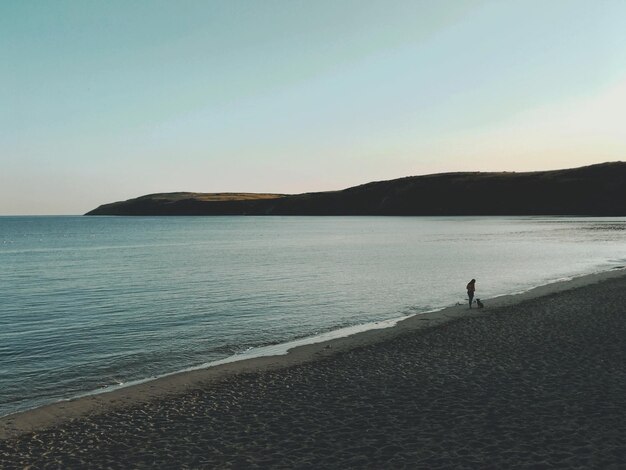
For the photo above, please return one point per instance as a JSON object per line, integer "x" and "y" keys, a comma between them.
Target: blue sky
{"x": 104, "y": 101}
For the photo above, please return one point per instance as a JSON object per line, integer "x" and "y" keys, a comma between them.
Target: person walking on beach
{"x": 471, "y": 287}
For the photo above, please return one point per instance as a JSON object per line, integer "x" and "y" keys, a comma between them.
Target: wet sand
{"x": 532, "y": 381}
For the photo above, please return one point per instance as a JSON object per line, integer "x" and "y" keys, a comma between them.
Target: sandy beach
{"x": 535, "y": 380}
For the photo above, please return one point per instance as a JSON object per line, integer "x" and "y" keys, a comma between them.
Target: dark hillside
{"x": 598, "y": 190}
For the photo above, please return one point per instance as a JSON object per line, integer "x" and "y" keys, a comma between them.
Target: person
{"x": 471, "y": 287}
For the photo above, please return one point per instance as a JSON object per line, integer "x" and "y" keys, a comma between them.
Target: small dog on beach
{"x": 479, "y": 304}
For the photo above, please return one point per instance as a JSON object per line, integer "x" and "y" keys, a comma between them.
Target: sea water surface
{"x": 90, "y": 302}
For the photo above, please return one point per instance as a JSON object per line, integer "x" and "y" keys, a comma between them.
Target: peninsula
{"x": 595, "y": 190}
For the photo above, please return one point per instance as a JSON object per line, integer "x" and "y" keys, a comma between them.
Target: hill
{"x": 596, "y": 190}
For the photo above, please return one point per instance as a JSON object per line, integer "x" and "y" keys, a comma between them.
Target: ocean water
{"x": 87, "y": 303}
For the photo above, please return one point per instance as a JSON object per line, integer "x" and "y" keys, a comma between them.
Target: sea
{"x": 89, "y": 304}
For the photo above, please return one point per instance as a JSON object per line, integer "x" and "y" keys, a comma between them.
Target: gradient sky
{"x": 106, "y": 100}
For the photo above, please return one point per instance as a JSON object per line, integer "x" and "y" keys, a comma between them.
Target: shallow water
{"x": 87, "y": 302}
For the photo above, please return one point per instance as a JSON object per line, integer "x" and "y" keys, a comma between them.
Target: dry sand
{"x": 532, "y": 381}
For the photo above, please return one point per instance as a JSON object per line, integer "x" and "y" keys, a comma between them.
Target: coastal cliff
{"x": 596, "y": 190}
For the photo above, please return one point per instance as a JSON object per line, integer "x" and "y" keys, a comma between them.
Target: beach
{"x": 534, "y": 380}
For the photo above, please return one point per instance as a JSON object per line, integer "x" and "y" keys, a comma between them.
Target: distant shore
{"x": 533, "y": 379}
{"x": 594, "y": 190}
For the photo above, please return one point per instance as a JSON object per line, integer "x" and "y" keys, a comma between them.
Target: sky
{"x": 106, "y": 101}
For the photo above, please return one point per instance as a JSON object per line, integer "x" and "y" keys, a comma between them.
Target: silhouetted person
{"x": 471, "y": 287}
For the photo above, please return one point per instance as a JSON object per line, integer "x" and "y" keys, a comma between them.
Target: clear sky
{"x": 102, "y": 101}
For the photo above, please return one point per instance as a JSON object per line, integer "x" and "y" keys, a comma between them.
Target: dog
{"x": 479, "y": 304}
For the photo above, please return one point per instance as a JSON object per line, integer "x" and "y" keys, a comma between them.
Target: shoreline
{"x": 281, "y": 349}
{"x": 58, "y": 413}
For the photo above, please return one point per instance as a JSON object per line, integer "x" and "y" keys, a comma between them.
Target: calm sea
{"x": 91, "y": 302}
